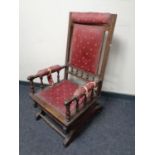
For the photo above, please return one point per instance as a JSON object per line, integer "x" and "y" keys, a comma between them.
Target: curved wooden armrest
{"x": 82, "y": 91}
{"x": 85, "y": 89}
{"x": 45, "y": 72}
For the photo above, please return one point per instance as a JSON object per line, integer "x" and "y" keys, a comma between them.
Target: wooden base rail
{"x": 71, "y": 131}
{"x": 40, "y": 115}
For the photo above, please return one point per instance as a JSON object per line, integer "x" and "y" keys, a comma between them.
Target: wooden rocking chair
{"x": 66, "y": 105}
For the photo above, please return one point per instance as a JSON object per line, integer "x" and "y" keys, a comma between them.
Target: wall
{"x": 43, "y": 37}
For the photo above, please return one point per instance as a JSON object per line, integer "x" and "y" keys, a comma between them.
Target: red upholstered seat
{"x": 56, "y": 95}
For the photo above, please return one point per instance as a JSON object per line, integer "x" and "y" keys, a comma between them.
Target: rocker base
{"x": 69, "y": 133}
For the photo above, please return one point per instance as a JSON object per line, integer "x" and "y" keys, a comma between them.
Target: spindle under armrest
{"x": 81, "y": 94}
{"x": 45, "y": 72}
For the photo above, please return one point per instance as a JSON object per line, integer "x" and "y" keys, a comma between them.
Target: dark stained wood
{"x": 58, "y": 76}
{"x": 69, "y": 124}
{"x": 70, "y": 28}
{"x": 68, "y": 113}
{"x": 41, "y": 81}
{"x": 32, "y": 89}
{"x": 78, "y": 125}
{"x": 48, "y": 108}
{"x": 106, "y": 51}
{"x": 59, "y": 131}
{"x": 77, "y": 105}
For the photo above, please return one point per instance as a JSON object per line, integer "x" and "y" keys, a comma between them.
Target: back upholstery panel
{"x": 86, "y": 44}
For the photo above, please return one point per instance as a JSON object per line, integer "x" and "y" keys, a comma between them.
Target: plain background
{"x": 43, "y": 37}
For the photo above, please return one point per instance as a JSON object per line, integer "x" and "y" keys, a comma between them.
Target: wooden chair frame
{"x": 69, "y": 126}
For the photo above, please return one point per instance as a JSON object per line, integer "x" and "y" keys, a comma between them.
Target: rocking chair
{"x": 66, "y": 105}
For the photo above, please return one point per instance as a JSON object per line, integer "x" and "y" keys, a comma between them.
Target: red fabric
{"x": 50, "y": 79}
{"x": 90, "y": 85}
{"x": 91, "y": 18}
{"x": 57, "y": 94}
{"x": 79, "y": 91}
{"x": 45, "y": 71}
{"x": 48, "y": 71}
{"x": 85, "y": 47}
{"x": 85, "y": 89}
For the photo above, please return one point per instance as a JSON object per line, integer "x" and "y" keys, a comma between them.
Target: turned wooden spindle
{"x": 85, "y": 99}
{"x": 41, "y": 81}
{"x": 77, "y": 105}
{"x": 58, "y": 76}
{"x": 81, "y": 74}
{"x": 76, "y": 72}
{"x": 99, "y": 87}
{"x": 67, "y": 112}
{"x": 92, "y": 93}
{"x": 87, "y": 76}
{"x": 71, "y": 69}
{"x": 93, "y": 78}
{"x": 32, "y": 87}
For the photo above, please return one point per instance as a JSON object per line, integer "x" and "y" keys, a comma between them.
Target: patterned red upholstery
{"x": 85, "y": 47}
{"x": 48, "y": 71}
{"x": 85, "y": 89}
{"x": 91, "y": 18}
{"x": 64, "y": 91}
{"x": 57, "y": 94}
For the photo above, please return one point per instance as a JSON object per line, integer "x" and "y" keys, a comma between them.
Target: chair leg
{"x": 69, "y": 138}
{"x": 98, "y": 103}
{"x": 78, "y": 127}
{"x": 69, "y": 134}
{"x": 98, "y": 108}
{"x": 35, "y": 105}
{"x": 38, "y": 115}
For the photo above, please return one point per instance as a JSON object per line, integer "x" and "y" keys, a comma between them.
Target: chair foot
{"x": 38, "y": 115}
{"x": 69, "y": 134}
{"x": 98, "y": 107}
{"x": 78, "y": 127}
{"x": 35, "y": 105}
{"x": 43, "y": 113}
{"x": 69, "y": 138}
{"x": 65, "y": 130}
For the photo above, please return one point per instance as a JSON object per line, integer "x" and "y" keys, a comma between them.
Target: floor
{"x": 111, "y": 132}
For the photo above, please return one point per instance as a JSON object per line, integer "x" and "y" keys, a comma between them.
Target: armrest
{"x": 85, "y": 89}
{"x": 81, "y": 95}
{"x": 45, "y": 72}
{"x": 81, "y": 91}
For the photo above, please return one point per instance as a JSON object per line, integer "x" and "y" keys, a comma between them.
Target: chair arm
{"x": 82, "y": 91}
{"x": 45, "y": 72}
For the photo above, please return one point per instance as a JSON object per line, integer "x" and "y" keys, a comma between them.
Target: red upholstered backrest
{"x": 87, "y": 39}
{"x": 91, "y": 18}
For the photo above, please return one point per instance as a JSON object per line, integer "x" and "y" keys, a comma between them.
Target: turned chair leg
{"x": 74, "y": 132}
{"x": 38, "y": 115}
{"x": 98, "y": 108}
{"x": 69, "y": 138}
{"x": 35, "y": 105}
